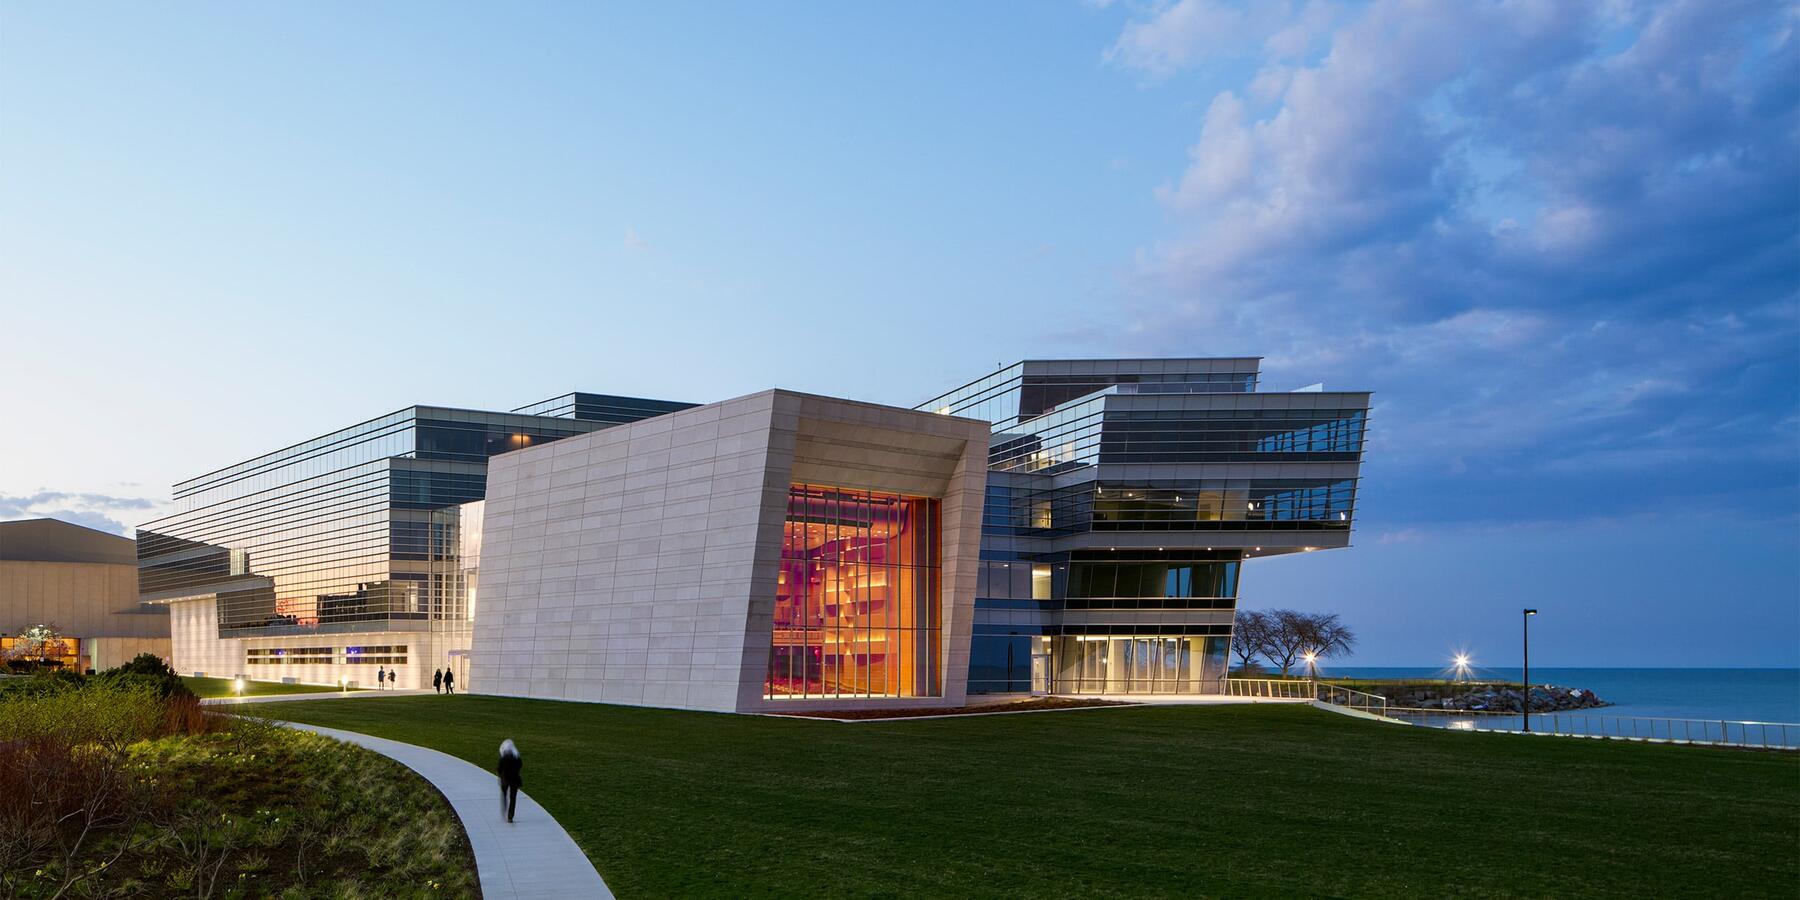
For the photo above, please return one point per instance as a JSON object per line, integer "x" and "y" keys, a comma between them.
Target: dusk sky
{"x": 1560, "y": 241}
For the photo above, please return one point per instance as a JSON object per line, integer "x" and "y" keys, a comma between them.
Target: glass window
{"x": 857, "y": 597}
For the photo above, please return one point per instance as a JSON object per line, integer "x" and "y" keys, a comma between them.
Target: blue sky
{"x": 1560, "y": 241}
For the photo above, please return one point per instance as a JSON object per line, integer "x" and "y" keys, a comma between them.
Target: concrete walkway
{"x": 531, "y": 858}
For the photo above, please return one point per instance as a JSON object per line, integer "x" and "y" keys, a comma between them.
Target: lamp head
{"x": 1531, "y": 612}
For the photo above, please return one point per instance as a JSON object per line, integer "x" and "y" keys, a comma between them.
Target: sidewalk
{"x": 531, "y": 858}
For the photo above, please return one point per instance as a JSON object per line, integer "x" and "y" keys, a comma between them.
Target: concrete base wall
{"x": 195, "y": 647}
{"x": 109, "y": 653}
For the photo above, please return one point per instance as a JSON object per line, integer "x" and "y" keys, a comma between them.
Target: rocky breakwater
{"x": 1493, "y": 698}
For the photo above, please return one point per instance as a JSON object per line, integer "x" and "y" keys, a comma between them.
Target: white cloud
{"x": 1543, "y": 231}
{"x": 1178, "y": 34}
{"x": 100, "y": 511}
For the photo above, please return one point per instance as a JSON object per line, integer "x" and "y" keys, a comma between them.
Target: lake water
{"x": 1758, "y": 695}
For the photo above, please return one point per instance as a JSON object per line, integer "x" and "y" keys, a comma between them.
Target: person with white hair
{"x": 510, "y": 782}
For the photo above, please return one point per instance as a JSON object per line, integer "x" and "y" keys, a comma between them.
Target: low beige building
{"x": 83, "y": 584}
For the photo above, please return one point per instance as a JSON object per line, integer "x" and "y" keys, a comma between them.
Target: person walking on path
{"x": 449, "y": 682}
{"x": 393, "y": 676}
{"x": 510, "y": 781}
{"x": 380, "y": 677}
{"x": 437, "y": 681}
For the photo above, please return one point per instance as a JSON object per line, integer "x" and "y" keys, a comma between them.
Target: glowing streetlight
{"x": 238, "y": 685}
{"x": 1312, "y": 668}
{"x": 344, "y": 683}
{"x": 1462, "y": 666}
{"x": 1526, "y": 634}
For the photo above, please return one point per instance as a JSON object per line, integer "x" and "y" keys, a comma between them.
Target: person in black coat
{"x": 437, "y": 681}
{"x": 449, "y": 682}
{"x": 510, "y": 780}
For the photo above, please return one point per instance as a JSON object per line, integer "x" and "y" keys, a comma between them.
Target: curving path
{"x": 531, "y": 858}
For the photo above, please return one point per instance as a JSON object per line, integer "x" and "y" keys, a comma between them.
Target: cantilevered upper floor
{"x": 1161, "y": 452}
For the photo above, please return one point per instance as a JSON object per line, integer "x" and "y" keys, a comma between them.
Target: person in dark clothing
{"x": 393, "y": 676}
{"x": 437, "y": 681}
{"x": 449, "y": 682}
{"x": 380, "y": 677}
{"x": 510, "y": 780}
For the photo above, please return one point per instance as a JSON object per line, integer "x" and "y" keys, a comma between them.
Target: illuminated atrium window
{"x": 858, "y": 604}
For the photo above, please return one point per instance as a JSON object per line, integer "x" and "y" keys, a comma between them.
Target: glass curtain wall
{"x": 858, "y": 600}
{"x": 358, "y": 530}
{"x": 1140, "y": 664}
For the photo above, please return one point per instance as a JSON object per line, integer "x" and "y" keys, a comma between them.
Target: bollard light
{"x": 238, "y": 684}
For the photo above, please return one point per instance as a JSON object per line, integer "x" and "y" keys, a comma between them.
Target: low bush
{"x": 149, "y": 669}
{"x": 110, "y": 788}
{"x": 164, "y": 683}
{"x": 102, "y": 713}
{"x": 41, "y": 683}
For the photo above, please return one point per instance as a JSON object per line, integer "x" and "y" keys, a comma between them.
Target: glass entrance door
{"x": 1130, "y": 664}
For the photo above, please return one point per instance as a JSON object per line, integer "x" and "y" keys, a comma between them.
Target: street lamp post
{"x": 1526, "y": 706}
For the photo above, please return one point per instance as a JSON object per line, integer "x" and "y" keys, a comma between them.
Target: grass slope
{"x": 1217, "y": 801}
{"x": 223, "y": 687}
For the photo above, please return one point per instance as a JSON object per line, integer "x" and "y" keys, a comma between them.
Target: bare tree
{"x": 1327, "y": 636}
{"x": 1287, "y": 638}
{"x": 1250, "y": 637}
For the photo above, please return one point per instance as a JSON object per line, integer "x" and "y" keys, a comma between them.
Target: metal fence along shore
{"x": 1723, "y": 732}
{"x": 1717, "y": 732}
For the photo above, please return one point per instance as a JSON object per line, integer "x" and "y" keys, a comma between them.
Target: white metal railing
{"x": 1349, "y": 698}
{"x": 1269, "y": 688}
{"x": 1305, "y": 689}
{"x": 1730, "y": 732}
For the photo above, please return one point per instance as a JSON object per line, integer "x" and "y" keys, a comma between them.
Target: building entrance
{"x": 1139, "y": 664}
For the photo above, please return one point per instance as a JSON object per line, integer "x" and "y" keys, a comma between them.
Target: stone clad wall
{"x": 83, "y": 600}
{"x": 614, "y": 563}
{"x": 637, "y": 564}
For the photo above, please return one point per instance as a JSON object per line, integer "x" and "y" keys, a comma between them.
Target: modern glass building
{"x": 1124, "y": 499}
{"x": 347, "y": 549}
{"x": 1099, "y": 551}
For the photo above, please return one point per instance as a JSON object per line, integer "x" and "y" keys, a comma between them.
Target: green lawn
{"x": 1219, "y": 801}
{"x": 223, "y": 687}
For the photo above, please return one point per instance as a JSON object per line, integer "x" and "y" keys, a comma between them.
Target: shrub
{"x": 164, "y": 686}
{"x": 150, "y": 670}
{"x": 42, "y": 683}
{"x": 100, "y": 712}
{"x": 144, "y": 664}
{"x": 57, "y": 800}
